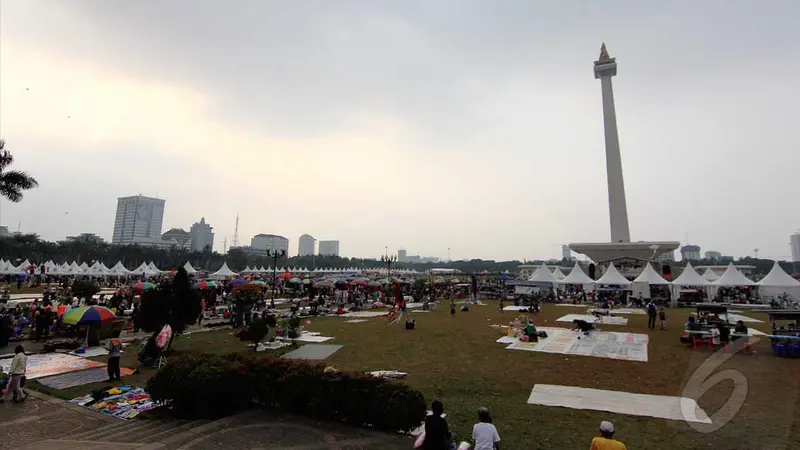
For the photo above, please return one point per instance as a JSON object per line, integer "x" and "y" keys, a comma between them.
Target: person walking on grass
{"x": 452, "y": 309}
{"x": 114, "y": 347}
{"x": 606, "y": 439}
{"x": 484, "y": 433}
{"x": 662, "y": 317}
{"x": 18, "y": 367}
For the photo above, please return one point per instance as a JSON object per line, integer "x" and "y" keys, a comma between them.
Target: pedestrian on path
{"x": 114, "y": 347}
{"x": 18, "y": 367}
{"x": 651, "y": 315}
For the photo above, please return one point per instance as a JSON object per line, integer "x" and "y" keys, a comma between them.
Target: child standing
{"x": 452, "y": 309}
{"x": 662, "y": 316}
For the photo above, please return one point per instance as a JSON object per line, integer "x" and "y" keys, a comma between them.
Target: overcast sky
{"x": 429, "y": 124}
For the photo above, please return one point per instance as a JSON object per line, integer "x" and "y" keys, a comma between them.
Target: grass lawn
{"x": 457, "y": 361}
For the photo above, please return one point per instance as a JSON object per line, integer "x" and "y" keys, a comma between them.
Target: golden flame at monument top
{"x": 604, "y": 56}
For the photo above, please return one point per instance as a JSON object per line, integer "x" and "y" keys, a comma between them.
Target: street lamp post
{"x": 389, "y": 260}
{"x": 274, "y": 254}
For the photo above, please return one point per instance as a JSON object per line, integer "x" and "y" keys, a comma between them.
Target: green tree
{"x": 174, "y": 303}
{"x": 84, "y": 289}
{"x": 244, "y": 297}
{"x": 13, "y": 182}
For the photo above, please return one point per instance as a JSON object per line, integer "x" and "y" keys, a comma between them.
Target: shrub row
{"x": 210, "y": 386}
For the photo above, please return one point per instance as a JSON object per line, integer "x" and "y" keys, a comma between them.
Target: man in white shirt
{"x": 18, "y": 366}
{"x": 484, "y": 433}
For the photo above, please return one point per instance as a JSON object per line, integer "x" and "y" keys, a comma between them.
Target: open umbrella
{"x": 143, "y": 286}
{"x": 306, "y": 280}
{"x": 86, "y": 315}
{"x": 295, "y": 281}
{"x": 341, "y": 282}
{"x": 359, "y": 282}
{"x": 238, "y": 282}
{"x": 258, "y": 283}
{"x": 373, "y": 284}
{"x": 324, "y": 284}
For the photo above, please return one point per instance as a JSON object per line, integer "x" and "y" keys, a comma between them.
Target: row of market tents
{"x": 777, "y": 282}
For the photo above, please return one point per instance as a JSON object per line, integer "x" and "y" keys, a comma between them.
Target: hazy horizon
{"x": 420, "y": 125}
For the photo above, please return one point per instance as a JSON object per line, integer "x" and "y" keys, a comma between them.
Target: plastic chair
{"x": 781, "y": 351}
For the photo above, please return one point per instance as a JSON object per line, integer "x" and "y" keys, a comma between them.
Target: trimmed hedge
{"x": 210, "y": 386}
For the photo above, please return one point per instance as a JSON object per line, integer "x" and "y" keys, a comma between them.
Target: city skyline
{"x": 391, "y": 158}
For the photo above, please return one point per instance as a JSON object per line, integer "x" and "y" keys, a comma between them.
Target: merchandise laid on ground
{"x": 604, "y": 320}
{"x": 314, "y": 352}
{"x": 600, "y": 344}
{"x": 388, "y": 374}
{"x": 307, "y": 337}
{"x": 123, "y": 402}
{"x": 47, "y": 364}
{"x": 72, "y": 379}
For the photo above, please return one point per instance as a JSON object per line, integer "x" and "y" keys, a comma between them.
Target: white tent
{"x": 612, "y": 276}
{"x": 577, "y": 276}
{"x": 777, "y": 283}
{"x": 650, "y": 276}
{"x": 543, "y": 275}
{"x": 223, "y": 272}
{"x": 710, "y": 275}
{"x": 153, "y": 268}
{"x": 690, "y": 277}
{"x": 556, "y": 273}
{"x": 189, "y": 269}
{"x": 118, "y": 270}
{"x": 247, "y": 269}
{"x": 732, "y": 277}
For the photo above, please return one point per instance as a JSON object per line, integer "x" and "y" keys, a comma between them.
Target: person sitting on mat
{"x": 582, "y": 325}
{"x": 531, "y": 332}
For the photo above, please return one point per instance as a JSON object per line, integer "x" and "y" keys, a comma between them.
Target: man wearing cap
{"x": 606, "y": 440}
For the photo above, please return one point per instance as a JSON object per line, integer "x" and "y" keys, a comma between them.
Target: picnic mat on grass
{"x": 46, "y": 364}
{"x": 316, "y": 352}
{"x": 605, "y": 320}
{"x": 356, "y": 321}
{"x": 660, "y": 406}
{"x": 365, "y": 314}
{"x": 600, "y": 344}
{"x": 72, "y": 379}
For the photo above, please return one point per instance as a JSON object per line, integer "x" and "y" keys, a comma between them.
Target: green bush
{"x": 208, "y": 386}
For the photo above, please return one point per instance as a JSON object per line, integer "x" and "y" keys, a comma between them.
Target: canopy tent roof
{"x": 556, "y": 273}
{"x": 577, "y": 276}
{"x": 612, "y": 276}
{"x": 153, "y": 268}
{"x": 690, "y": 277}
{"x": 710, "y": 275}
{"x": 189, "y": 269}
{"x": 777, "y": 277}
{"x": 650, "y": 276}
{"x": 732, "y": 277}
{"x": 223, "y": 272}
{"x": 119, "y": 269}
{"x": 543, "y": 275}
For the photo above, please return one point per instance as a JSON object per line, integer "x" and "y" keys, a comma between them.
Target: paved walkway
{"x": 46, "y": 423}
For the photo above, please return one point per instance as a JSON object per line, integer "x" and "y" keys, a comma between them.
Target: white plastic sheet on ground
{"x": 364, "y": 314}
{"x": 604, "y": 320}
{"x": 659, "y": 406}
{"x": 599, "y": 344}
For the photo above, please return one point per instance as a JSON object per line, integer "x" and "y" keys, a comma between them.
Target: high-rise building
{"x": 566, "y": 252}
{"x": 264, "y": 242}
{"x": 402, "y": 255}
{"x": 795, "y": 240}
{"x": 667, "y": 257}
{"x": 138, "y": 221}
{"x": 202, "y": 236}
{"x": 305, "y": 245}
{"x": 690, "y": 252}
{"x": 329, "y": 248}
{"x": 713, "y": 255}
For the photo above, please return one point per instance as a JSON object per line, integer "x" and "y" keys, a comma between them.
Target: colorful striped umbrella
{"x": 87, "y": 315}
{"x": 143, "y": 286}
{"x": 258, "y": 283}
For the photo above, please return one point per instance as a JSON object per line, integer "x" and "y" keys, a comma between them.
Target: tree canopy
{"x": 174, "y": 303}
{"x": 13, "y": 182}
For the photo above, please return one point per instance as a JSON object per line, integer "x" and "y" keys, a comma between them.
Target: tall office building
{"x": 306, "y": 245}
{"x": 202, "y": 236}
{"x": 795, "y": 240}
{"x": 264, "y": 242}
{"x": 402, "y": 255}
{"x": 329, "y": 248}
{"x": 690, "y": 252}
{"x": 566, "y": 252}
{"x": 139, "y": 220}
